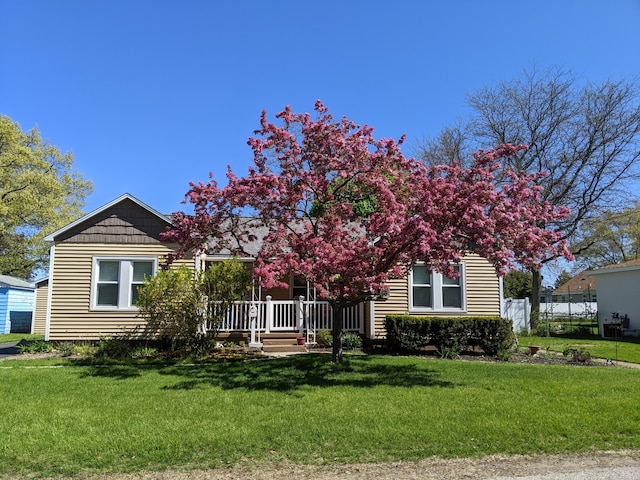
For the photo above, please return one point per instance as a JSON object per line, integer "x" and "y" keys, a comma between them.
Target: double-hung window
{"x": 116, "y": 281}
{"x": 432, "y": 291}
{"x": 422, "y": 287}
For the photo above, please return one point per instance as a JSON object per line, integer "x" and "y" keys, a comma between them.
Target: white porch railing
{"x": 290, "y": 315}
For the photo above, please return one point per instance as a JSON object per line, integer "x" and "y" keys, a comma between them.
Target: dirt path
{"x": 584, "y": 466}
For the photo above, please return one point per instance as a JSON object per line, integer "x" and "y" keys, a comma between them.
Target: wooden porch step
{"x": 279, "y": 341}
{"x": 284, "y": 348}
{"x": 284, "y": 342}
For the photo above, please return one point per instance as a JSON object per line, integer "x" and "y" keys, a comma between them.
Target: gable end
{"x": 123, "y": 223}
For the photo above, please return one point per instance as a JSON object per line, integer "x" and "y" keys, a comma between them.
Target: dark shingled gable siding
{"x": 125, "y": 222}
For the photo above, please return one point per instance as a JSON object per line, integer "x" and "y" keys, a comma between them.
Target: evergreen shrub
{"x": 411, "y": 333}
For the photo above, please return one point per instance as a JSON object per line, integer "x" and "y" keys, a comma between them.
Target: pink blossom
{"x": 433, "y": 215}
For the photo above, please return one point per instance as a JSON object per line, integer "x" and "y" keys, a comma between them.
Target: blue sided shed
{"x": 16, "y": 305}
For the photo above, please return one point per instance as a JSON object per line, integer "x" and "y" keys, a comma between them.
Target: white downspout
{"x": 372, "y": 319}
{"x": 501, "y": 289}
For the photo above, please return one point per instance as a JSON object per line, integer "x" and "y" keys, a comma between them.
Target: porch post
{"x": 269, "y": 315}
{"x": 300, "y": 314}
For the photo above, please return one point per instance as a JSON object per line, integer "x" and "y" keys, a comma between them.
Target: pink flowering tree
{"x": 312, "y": 175}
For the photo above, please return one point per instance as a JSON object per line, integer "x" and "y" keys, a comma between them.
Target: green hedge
{"x": 449, "y": 335}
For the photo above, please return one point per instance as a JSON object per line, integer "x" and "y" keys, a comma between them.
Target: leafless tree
{"x": 585, "y": 136}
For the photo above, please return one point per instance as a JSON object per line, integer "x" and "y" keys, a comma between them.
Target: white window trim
{"x": 125, "y": 278}
{"x": 436, "y": 291}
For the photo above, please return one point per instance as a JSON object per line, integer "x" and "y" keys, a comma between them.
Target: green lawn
{"x": 86, "y": 419}
{"x": 16, "y": 337}
{"x": 626, "y": 349}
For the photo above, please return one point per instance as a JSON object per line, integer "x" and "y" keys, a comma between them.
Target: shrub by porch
{"x": 449, "y": 335}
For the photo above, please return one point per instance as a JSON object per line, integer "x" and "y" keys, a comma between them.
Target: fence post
{"x": 269, "y": 315}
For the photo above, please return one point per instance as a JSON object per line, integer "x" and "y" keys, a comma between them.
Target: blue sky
{"x": 150, "y": 94}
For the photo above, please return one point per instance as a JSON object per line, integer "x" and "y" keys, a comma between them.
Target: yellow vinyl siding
{"x": 482, "y": 292}
{"x": 71, "y": 314}
{"x": 482, "y": 287}
{"x": 40, "y": 311}
{"x": 398, "y": 302}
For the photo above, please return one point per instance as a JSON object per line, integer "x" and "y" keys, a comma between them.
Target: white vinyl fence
{"x": 519, "y": 311}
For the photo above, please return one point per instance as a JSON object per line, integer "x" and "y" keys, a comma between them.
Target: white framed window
{"x": 115, "y": 281}
{"x": 431, "y": 291}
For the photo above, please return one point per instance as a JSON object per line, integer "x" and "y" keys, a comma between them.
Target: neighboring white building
{"x": 618, "y": 299}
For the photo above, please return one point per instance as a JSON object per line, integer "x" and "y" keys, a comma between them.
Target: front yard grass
{"x": 626, "y": 349}
{"x": 16, "y": 337}
{"x": 121, "y": 418}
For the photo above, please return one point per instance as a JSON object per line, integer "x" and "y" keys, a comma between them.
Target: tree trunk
{"x": 536, "y": 286}
{"x": 336, "y": 354}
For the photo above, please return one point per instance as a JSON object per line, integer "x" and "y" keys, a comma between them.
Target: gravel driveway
{"x": 617, "y": 465}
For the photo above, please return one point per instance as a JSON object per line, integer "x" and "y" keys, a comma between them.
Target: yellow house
{"x": 98, "y": 262}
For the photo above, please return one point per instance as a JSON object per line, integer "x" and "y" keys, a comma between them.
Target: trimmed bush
{"x": 324, "y": 338}
{"x": 449, "y": 335}
{"x": 351, "y": 341}
{"x": 494, "y": 335}
{"x": 406, "y": 333}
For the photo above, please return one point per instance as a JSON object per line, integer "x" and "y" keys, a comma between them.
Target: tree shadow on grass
{"x": 297, "y": 372}
{"x": 118, "y": 372}
{"x": 285, "y": 374}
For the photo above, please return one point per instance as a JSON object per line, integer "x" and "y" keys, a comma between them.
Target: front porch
{"x": 302, "y": 317}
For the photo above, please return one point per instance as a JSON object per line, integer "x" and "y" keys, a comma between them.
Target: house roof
{"x": 257, "y": 230}
{"x": 582, "y": 282}
{"x": 620, "y": 267}
{"x": 12, "y": 282}
{"x": 251, "y": 247}
{"x": 126, "y": 196}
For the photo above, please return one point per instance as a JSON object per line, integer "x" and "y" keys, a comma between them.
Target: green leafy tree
{"x": 222, "y": 284}
{"x": 187, "y": 307}
{"x": 611, "y": 238}
{"x": 14, "y": 259}
{"x": 39, "y": 193}
{"x": 171, "y": 303}
{"x": 517, "y": 284}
